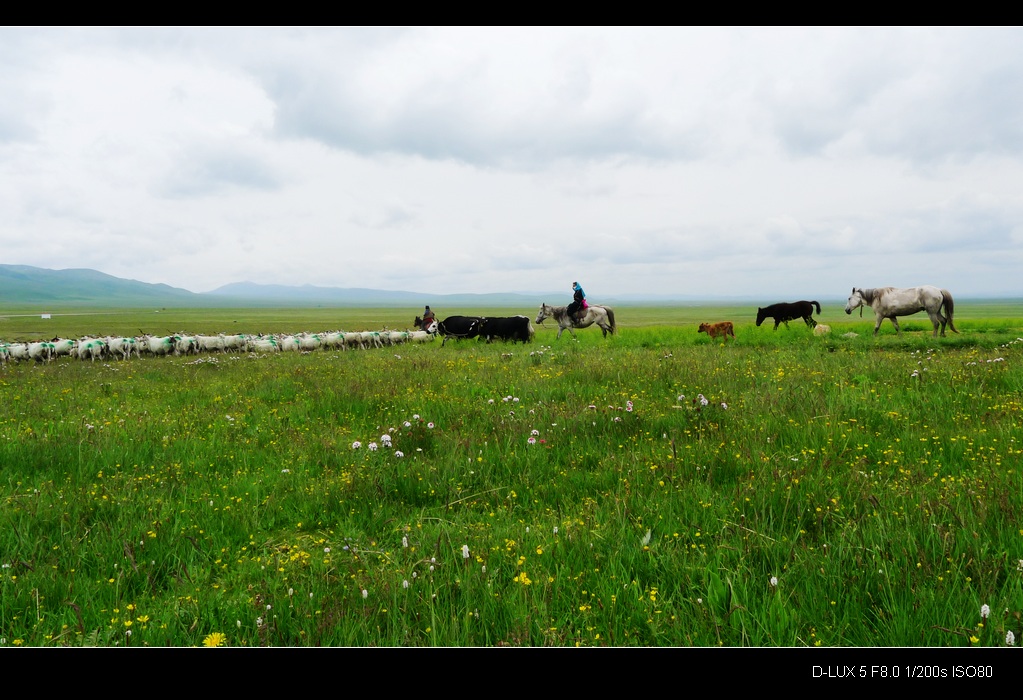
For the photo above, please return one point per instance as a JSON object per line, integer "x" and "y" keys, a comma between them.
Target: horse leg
{"x": 895, "y": 322}
{"x": 776, "y": 324}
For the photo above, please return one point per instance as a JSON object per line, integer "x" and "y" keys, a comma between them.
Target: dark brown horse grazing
{"x": 785, "y": 312}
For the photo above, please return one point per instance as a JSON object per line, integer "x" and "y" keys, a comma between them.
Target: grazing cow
{"x": 459, "y": 327}
{"x": 785, "y": 312}
{"x": 723, "y": 328}
{"x": 513, "y": 328}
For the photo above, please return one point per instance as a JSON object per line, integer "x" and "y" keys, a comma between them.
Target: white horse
{"x": 603, "y": 316}
{"x": 889, "y": 302}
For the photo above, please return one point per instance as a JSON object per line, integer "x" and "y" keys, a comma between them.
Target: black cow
{"x": 785, "y": 312}
{"x": 513, "y": 328}
{"x": 459, "y": 327}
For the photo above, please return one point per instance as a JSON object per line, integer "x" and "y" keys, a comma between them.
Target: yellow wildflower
{"x": 215, "y": 639}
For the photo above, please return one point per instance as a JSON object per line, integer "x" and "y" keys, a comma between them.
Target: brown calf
{"x": 724, "y": 328}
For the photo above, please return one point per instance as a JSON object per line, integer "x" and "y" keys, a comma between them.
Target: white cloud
{"x": 782, "y": 162}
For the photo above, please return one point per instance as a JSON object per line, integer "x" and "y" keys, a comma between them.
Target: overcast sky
{"x": 765, "y": 163}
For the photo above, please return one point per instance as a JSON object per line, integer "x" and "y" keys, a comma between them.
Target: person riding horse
{"x": 578, "y": 301}
{"x": 428, "y": 318}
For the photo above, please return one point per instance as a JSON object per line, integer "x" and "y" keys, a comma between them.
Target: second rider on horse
{"x": 578, "y": 302}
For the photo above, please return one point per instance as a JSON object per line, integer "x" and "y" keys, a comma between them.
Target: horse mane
{"x": 874, "y": 293}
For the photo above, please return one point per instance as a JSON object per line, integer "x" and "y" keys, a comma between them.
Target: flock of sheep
{"x": 122, "y": 348}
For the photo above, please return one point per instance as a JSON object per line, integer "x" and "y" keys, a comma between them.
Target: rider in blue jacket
{"x": 578, "y": 300}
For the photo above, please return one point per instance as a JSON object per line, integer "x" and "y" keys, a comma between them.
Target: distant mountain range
{"x": 36, "y": 286}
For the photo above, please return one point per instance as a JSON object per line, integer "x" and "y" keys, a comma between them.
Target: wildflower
{"x": 465, "y": 551}
{"x": 555, "y": 529}
{"x": 491, "y": 401}
{"x": 365, "y": 594}
{"x": 407, "y": 424}
{"x": 592, "y": 407}
{"x": 404, "y": 584}
{"x": 724, "y": 405}
{"x": 259, "y": 622}
{"x": 535, "y": 432}
{"x": 415, "y": 416}
{"x": 985, "y": 611}
{"x": 356, "y": 445}
{"x": 386, "y": 440}
{"x": 703, "y": 400}
{"x": 372, "y": 447}
{"x": 531, "y": 440}
{"x": 399, "y": 454}
{"x": 774, "y": 581}
{"x": 628, "y": 406}
{"x": 215, "y": 639}
{"x": 404, "y": 541}
{"x": 1010, "y": 638}
{"x": 326, "y": 550}
{"x": 285, "y": 471}
{"x": 484, "y": 568}
{"x": 681, "y": 398}
{"x": 429, "y": 425}
{"x": 238, "y": 623}
{"x": 618, "y": 419}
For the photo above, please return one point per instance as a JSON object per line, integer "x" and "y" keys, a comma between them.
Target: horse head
{"x": 545, "y": 312}
{"x": 855, "y": 300}
{"x": 760, "y": 316}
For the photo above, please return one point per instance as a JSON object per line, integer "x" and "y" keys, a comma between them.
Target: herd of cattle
{"x": 122, "y": 348}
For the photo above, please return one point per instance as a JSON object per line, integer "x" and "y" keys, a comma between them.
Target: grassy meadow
{"x": 655, "y": 488}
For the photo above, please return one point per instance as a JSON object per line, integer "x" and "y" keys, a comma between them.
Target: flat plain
{"x": 654, "y": 488}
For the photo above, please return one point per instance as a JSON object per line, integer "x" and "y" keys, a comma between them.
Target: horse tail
{"x": 817, "y": 304}
{"x": 611, "y": 319}
{"x": 946, "y": 300}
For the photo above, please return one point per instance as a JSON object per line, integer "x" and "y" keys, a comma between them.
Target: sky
{"x": 775, "y": 164}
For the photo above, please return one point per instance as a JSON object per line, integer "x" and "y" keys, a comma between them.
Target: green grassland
{"x": 652, "y": 488}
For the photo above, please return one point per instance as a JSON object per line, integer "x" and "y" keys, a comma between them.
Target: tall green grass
{"x": 823, "y": 491}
